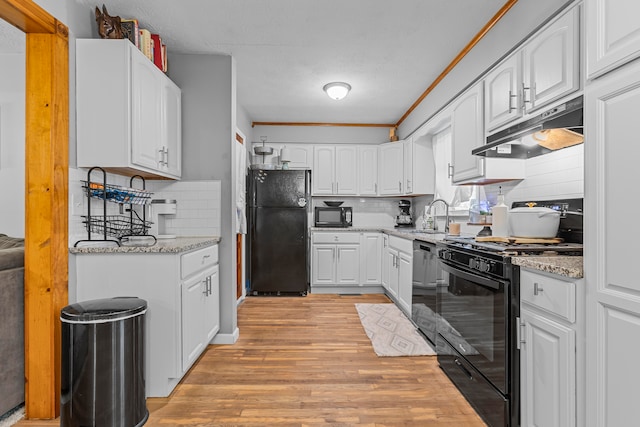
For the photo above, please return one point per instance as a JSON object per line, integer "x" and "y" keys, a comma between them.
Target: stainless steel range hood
{"x": 554, "y": 129}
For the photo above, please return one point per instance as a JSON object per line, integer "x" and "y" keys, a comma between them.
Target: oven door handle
{"x": 483, "y": 281}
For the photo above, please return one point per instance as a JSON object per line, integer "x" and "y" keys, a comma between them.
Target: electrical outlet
{"x": 77, "y": 205}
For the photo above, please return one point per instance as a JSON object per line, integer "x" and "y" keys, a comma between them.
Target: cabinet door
{"x": 390, "y": 168}
{"x": 370, "y": 257}
{"x": 301, "y": 156}
{"x": 467, "y": 133}
{"x": 368, "y": 170}
{"x": 613, "y": 36}
{"x": 405, "y": 271}
{"x": 612, "y": 103}
{"x": 193, "y": 294}
{"x": 407, "y": 163}
{"x": 171, "y": 150}
{"x": 548, "y": 371}
{"x": 551, "y": 62}
{"x": 146, "y": 104}
{"x": 392, "y": 257}
{"x": 502, "y": 93}
{"x": 212, "y": 305}
{"x": 387, "y": 262}
{"x": 324, "y": 264}
{"x": 348, "y": 265}
{"x": 323, "y": 177}
{"x": 346, "y": 173}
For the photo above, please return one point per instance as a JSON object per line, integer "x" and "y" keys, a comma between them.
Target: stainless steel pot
{"x": 534, "y": 222}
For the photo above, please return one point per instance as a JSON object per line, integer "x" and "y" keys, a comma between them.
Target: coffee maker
{"x": 404, "y": 219}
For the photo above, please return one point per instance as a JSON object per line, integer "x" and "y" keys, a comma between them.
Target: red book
{"x": 157, "y": 51}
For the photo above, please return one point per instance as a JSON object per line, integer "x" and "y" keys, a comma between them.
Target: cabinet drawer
{"x": 195, "y": 261}
{"x": 338, "y": 237}
{"x": 549, "y": 294}
{"x": 404, "y": 245}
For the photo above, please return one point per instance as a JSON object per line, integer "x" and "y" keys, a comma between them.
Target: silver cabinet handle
{"x": 524, "y": 95}
{"x": 449, "y": 170}
{"x": 400, "y": 186}
{"x": 337, "y": 189}
{"x": 511, "y": 96}
{"x": 537, "y": 289}
{"x": 375, "y": 187}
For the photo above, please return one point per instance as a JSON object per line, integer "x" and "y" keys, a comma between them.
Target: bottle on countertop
{"x": 500, "y": 224}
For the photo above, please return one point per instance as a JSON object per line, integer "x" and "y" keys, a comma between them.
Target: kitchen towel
{"x": 390, "y": 332}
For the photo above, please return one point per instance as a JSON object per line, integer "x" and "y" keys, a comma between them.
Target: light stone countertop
{"x": 177, "y": 245}
{"x": 406, "y": 233}
{"x": 568, "y": 266}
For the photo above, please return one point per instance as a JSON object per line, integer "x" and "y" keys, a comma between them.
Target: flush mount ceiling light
{"x": 337, "y": 90}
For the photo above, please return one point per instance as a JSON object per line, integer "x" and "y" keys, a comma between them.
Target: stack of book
{"x": 150, "y": 44}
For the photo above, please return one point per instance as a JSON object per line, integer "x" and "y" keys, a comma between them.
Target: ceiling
{"x": 287, "y": 50}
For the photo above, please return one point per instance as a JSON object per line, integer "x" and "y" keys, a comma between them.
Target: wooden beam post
{"x": 46, "y": 222}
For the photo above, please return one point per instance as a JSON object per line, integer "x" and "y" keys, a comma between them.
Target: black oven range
{"x": 478, "y": 308}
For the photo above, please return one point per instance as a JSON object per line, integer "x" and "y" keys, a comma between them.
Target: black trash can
{"x": 103, "y": 381}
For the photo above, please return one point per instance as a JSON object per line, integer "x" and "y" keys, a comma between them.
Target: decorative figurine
{"x": 109, "y": 27}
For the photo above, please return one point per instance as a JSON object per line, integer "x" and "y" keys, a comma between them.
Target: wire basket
{"x": 116, "y": 193}
{"x": 117, "y": 225}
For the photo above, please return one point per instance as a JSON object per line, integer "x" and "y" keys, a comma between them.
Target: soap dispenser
{"x": 500, "y": 224}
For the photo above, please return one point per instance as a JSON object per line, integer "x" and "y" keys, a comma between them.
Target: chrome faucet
{"x": 446, "y": 219}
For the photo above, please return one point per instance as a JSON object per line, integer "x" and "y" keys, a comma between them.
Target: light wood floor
{"x": 306, "y": 361}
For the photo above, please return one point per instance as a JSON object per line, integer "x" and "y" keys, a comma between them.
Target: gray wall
{"x": 522, "y": 20}
{"x": 322, "y": 134}
{"x": 12, "y": 144}
{"x": 208, "y": 131}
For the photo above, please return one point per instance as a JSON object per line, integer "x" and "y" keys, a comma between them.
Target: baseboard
{"x": 350, "y": 290}
{"x": 226, "y": 338}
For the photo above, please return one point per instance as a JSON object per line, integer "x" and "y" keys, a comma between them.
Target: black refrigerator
{"x": 278, "y": 207}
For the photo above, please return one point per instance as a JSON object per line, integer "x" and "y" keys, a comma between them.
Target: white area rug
{"x": 390, "y": 332}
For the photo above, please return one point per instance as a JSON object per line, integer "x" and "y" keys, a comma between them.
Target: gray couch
{"x": 11, "y": 322}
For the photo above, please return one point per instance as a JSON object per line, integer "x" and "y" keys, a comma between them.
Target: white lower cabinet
{"x": 335, "y": 259}
{"x": 549, "y": 330}
{"x": 345, "y": 262}
{"x": 548, "y": 371}
{"x": 370, "y": 256}
{"x": 398, "y": 269}
{"x": 183, "y": 306}
{"x": 200, "y": 314}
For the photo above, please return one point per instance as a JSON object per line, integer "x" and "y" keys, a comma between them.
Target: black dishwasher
{"x": 427, "y": 281}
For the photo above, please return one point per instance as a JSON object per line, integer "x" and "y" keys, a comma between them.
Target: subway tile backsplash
{"x": 198, "y": 204}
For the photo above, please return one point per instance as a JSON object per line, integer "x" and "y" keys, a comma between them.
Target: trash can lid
{"x": 103, "y": 310}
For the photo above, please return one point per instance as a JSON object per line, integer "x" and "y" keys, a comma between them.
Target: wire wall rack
{"x": 115, "y": 228}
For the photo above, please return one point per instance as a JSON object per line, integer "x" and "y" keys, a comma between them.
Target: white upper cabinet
{"x": 545, "y": 69}
{"x": 346, "y": 171}
{"x": 613, "y": 36}
{"x": 368, "y": 170}
{"x": 390, "y": 171}
{"x": 171, "y": 161}
{"x": 551, "y": 62}
{"x": 334, "y": 170}
{"x": 419, "y": 167}
{"x": 503, "y": 93}
{"x": 128, "y": 111}
{"x": 301, "y": 155}
{"x": 323, "y": 169}
{"x": 467, "y": 133}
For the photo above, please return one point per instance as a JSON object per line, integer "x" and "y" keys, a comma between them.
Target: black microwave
{"x": 333, "y": 217}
